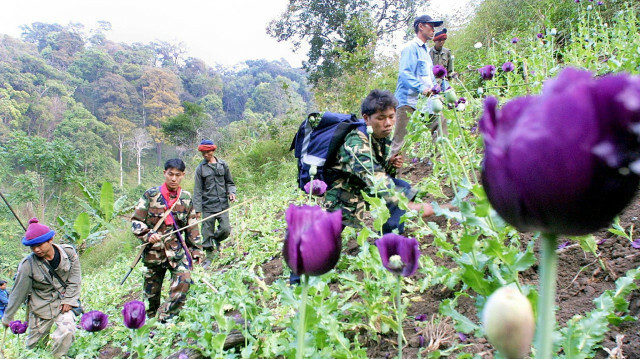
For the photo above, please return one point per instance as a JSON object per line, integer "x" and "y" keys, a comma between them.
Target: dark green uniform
{"x": 353, "y": 167}
{"x": 213, "y": 185}
{"x": 168, "y": 254}
{"x": 443, "y": 58}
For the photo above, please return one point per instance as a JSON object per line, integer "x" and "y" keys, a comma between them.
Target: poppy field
{"x": 540, "y": 162}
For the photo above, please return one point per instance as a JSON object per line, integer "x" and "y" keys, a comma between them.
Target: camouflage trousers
{"x": 180, "y": 283}
{"x": 211, "y": 237}
{"x": 62, "y": 336}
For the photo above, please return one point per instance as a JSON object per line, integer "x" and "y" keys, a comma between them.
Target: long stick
{"x": 208, "y": 218}
{"x": 14, "y": 213}
{"x": 4, "y": 336}
{"x": 155, "y": 228}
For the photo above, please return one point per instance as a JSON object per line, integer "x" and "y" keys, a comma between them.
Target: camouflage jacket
{"x": 47, "y": 294}
{"x": 148, "y": 211}
{"x": 442, "y": 57}
{"x": 352, "y": 169}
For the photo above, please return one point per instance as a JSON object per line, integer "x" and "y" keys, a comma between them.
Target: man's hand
{"x": 198, "y": 215}
{"x": 198, "y": 260}
{"x": 426, "y": 92}
{"x": 396, "y": 160}
{"x": 232, "y": 197}
{"x": 65, "y": 308}
{"x": 426, "y": 208}
{"x": 155, "y": 238}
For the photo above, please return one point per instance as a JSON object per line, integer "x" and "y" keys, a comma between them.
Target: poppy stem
{"x": 546, "y": 301}
{"x": 4, "y": 337}
{"x": 302, "y": 314}
{"x": 399, "y": 315}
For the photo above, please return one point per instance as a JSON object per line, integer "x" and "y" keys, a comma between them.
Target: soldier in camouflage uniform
{"x": 356, "y": 170}
{"x": 176, "y": 253}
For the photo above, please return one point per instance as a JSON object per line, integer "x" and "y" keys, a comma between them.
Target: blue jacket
{"x": 4, "y": 300}
{"x": 415, "y": 73}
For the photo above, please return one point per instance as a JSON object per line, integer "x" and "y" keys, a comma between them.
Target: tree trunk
{"x": 120, "y": 156}
{"x": 138, "y": 155}
{"x": 159, "y": 153}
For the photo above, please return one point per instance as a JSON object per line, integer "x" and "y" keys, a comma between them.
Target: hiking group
{"x": 351, "y": 155}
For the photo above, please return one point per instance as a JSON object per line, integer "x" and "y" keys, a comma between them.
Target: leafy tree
{"x": 324, "y": 26}
{"x": 42, "y": 167}
{"x": 212, "y": 105}
{"x": 160, "y": 88}
{"x": 184, "y": 129}
{"x": 92, "y": 64}
{"x": 13, "y": 106}
{"x": 200, "y": 80}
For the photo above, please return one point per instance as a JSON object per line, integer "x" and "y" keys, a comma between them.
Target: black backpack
{"x": 317, "y": 143}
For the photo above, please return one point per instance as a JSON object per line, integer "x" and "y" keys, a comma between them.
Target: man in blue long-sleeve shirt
{"x": 415, "y": 76}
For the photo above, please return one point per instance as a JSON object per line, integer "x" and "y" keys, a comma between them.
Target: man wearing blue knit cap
{"x": 213, "y": 190}
{"x": 50, "y": 277}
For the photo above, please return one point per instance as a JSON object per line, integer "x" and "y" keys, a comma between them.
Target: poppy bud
{"x": 450, "y": 96}
{"x": 134, "y": 314}
{"x": 436, "y": 105}
{"x": 508, "y": 322}
{"x": 313, "y": 242}
{"x": 369, "y": 130}
{"x": 313, "y": 170}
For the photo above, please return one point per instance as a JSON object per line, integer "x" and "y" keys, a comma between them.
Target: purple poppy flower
{"x": 462, "y": 100}
{"x": 18, "y": 327}
{"x": 563, "y": 245}
{"x": 508, "y": 66}
{"x": 421, "y": 317}
{"x": 515, "y": 40}
{"x": 580, "y": 139}
{"x": 399, "y": 254}
{"x": 636, "y": 244}
{"x": 421, "y": 341}
{"x": 602, "y": 241}
{"x": 319, "y": 187}
{"x": 312, "y": 245}
{"x": 414, "y": 160}
{"x": 600, "y": 3}
{"x": 462, "y": 337}
{"x": 539, "y": 35}
{"x": 183, "y": 356}
{"x": 435, "y": 90}
{"x": 439, "y": 71}
{"x": 487, "y": 72}
{"x": 94, "y": 321}
{"x": 134, "y": 314}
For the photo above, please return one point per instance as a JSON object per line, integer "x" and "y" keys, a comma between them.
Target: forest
{"x": 86, "y": 124}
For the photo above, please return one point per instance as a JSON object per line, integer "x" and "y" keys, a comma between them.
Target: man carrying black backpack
{"x": 360, "y": 160}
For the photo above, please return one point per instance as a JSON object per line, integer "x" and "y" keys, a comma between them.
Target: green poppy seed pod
{"x": 480, "y": 90}
{"x": 395, "y": 262}
{"x": 369, "y": 130}
{"x": 313, "y": 170}
{"x": 553, "y": 32}
{"x": 450, "y": 96}
{"x": 436, "y": 105}
{"x": 508, "y": 322}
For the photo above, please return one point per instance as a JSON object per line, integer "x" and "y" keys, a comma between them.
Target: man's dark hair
{"x": 175, "y": 163}
{"x": 378, "y": 100}
{"x": 2, "y": 282}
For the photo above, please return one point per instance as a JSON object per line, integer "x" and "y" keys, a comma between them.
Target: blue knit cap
{"x": 37, "y": 233}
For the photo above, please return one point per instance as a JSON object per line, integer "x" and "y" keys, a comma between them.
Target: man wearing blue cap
{"x": 50, "y": 277}
{"x": 415, "y": 77}
{"x": 213, "y": 190}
